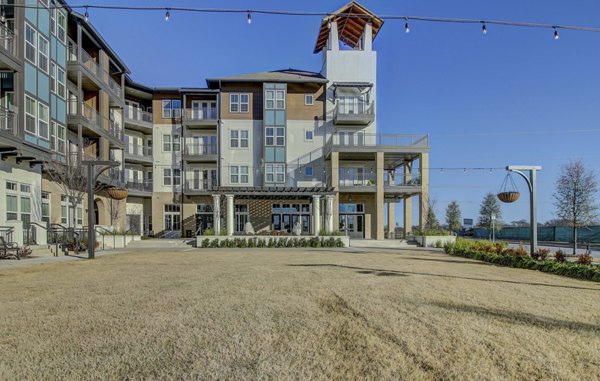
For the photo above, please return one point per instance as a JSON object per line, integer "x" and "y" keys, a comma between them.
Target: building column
{"x": 407, "y": 201}
{"x": 424, "y": 196}
{"x": 335, "y": 182}
{"x": 216, "y": 213}
{"x": 379, "y": 197}
{"x": 391, "y": 211}
{"x": 230, "y": 215}
{"x": 316, "y": 212}
{"x": 329, "y": 213}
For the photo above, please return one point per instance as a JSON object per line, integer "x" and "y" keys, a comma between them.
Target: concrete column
{"x": 407, "y": 200}
{"x": 216, "y": 213}
{"x": 316, "y": 212}
{"x": 329, "y": 213}
{"x": 391, "y": 211}
{"x": 424, "y": 196}
{"x": 230, "y": 215}
{"x": 333, "y": 41}
{"x": 368, "y": 38}
{"x": 379, "y": 197}
{"x": 335, "y": 182}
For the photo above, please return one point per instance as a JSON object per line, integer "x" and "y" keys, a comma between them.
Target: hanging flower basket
{"x": 117, "y": 193}
{"x": 508, "y": 197}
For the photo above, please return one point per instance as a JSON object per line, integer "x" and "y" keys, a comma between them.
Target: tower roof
{"x": 351, "y": 21}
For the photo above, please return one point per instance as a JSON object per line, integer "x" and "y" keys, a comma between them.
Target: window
{"x": 43, "y": 121}
{"x": 25, "y": 209}
{"x": 30, "y": 114}
{"x": 172, "y": 217}
{"x": 12, "y": 207}
{"x": 176, "y": 143}
{"x": 309, "y": 100}
{"x": 269, "y": 99}
{"x": 308, "y": 171}
{"x": 52, "y": 77}
{"x": 308, "y": 135}
{"x": 167, "y": 176}
{"x": 275, "y": 173}
{"x": 30, "y": 41}
{"x": 46, "y": 207}
{"x": 239, "y": 102}
{"x": 238, "y": 174}
{"x": 64, "y": 209}
{"x": 10, "y": 185}
{"x": 280, "y": 141}
{"x": 238, "y": 138}
{"x": 25, "y": 188}
{"x": 280, "y": 95}
{"x": 61, "y": 84}
{"x": 43, "y": 53}
{"x": 167, "y": 143}
{"x": 176, "y": 176}
{"x": 60, "y": 139}
{"x": 62, "y": 26}
{"x": 275, "y": 136}
{"x": 171, "y": 108}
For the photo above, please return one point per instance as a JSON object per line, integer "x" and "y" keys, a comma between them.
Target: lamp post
{"x": 530, "y": 179}
{"x": 91, "y": 180}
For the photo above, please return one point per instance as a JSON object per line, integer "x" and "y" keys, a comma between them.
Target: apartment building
{"x": 275, "y": 149}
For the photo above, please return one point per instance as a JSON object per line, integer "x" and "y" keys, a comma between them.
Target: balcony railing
{"x": 200, "y": 149}
{"x": 114, "y": 86}
{"x": 360, "y": 139}
{"x": 360, "y": 114}
{"x": 137, "y": 115}
{"x": 8, "y": 122}
{"x": 200, "y": 184}
{"x": 200, "y": 115}
{"x": 87, "y": 112}
{"x": 143, "y": 186}
{"x": 8, "y": 40}
{"x": 139, "y": 150}
{"x": 115, "y": 130}
{"x": 86, "y": 60}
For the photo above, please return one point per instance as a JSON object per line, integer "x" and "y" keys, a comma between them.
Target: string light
{"x": 86, "y": 16}
{"x": 484, "y": 28}
{"x": 249, "y": 18}
{"x": 328, "y": 24}
{"x": 556, "y": 36}
{"x": 3, "y": 16}
{"x": 406, "y": 26}
{"x": 167, "y": 15}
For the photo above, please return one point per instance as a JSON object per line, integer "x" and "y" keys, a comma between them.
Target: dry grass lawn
{"x": 295, "y": 314}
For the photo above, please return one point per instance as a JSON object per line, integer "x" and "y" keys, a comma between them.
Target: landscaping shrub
{"x": 541, "y": 254}
{"x": 25, "y": 251}
{"x": 209, "y": 231}
{"x": 515, "y": 258}
{"x": 560, "y": 256}
{"x": 271, "y": 243}
{"x": 431, "y": 232}
{"x": 584, "y": 259}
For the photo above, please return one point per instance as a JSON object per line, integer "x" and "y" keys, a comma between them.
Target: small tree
{"x": 453, "y": 216}
{"x": 575, "y": 203}
{"x": 489, "y": 207}
{"x": 114, "y": 210}
{"x": 431, "y": 221}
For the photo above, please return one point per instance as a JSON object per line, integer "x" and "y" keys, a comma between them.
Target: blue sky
{"x": 513, "y": 96}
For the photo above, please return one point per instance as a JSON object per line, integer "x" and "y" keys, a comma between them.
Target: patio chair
{"x": 9, "y": 249}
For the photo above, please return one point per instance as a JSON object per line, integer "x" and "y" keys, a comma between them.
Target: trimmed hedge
{"x": 572, "y": 270}
{"x": 271, "y": 243}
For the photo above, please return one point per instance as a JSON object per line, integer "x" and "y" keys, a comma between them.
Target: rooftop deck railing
{"x": 360, "y": 139}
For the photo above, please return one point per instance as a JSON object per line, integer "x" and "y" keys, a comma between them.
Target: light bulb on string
{"x": 3, "y": 16}
{"x": 167, "y": 15}
{"x": 328, "y": 24}
{"x": 406, "y": 26}
{"x": 465, "y": 170}
{"x": 556, "y": 36}
{"x": 249, "y": 18}
{"x": 86, "y": 15}
{"x": 484, "y": 28}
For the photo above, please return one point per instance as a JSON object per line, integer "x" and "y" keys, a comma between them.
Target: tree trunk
{"x": 574, "y": 240}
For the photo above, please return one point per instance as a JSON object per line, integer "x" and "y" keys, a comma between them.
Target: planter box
{"x": 115, "y": 241}
{"x": 200, "y": 238}
{"x": 431, "y": 240}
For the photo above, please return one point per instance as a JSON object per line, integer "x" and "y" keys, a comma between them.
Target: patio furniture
{"x": 9, "y": 249}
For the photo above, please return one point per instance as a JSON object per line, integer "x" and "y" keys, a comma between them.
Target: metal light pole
{"x": 531, "y": 183}
{"x": 91, "y": 180}
{"x": 493, "y": 228}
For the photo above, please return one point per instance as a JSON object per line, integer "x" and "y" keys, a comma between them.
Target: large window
{"x": 61, "y": 82}
{"x": 171, "y": 108}
{"x": 285, "y": 216}
{"x": 43, "y": 121}
{"x": 43, "y": 48}
{"x": 176, "y": 143}
{"x": 239, "y": 102}
{"x": 46, "y": 207}
{"x": 176, "y": 176}
{"x": 62, "y": 26}
{"x": 30, "y": 43}
{"x": 12, "y": 207}
{"x": 18, "y": 202}
{"x": 167, "y": 143}
{"x": 239, "y": 139}
{"x": 167, "y": 176}
{"x": 275, "y": 136}
{"x": 275, "y": 173}
{"x": 172, "y": 217}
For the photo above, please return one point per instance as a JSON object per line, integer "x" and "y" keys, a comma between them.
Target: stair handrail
{"x": 103, "y": 234}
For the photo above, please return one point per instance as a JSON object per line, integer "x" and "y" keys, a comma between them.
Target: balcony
{"x": 86, "y": 64}
{"x": 138, "y": 154}
{"x": 200, "y": 117}
{"x": 359, "y": 145}
{"x": 200, "y": 186}
{"x": 200, "y": 153}
{"x": 137, "y": 119}
{"x": 139, "y": 188}
{"x": 114, "y": 87}
{"x": 360, "y": 180}
{"x": 115, "y": 134}
{"x": 361, "y": 114}
{"x": 86, "y": 116}
{"x": 8, "y": 50}
{"x": 8, "y": 128}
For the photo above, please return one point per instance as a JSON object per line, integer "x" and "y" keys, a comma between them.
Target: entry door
{"x": 203, "y": 221}
{"x": 353, "y": 224}
{"x": 241, "y": 217}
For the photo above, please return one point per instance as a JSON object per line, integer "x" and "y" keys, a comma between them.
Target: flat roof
{"x": 284, "y": 75}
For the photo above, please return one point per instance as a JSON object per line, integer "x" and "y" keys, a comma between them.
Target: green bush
{"x": 209, "y": 231}
{"x": 271, "y": 243}
{"x": 431, "y": 232}
{"x": 516, "y": 258}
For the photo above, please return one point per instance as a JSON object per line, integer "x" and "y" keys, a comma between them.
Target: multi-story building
{"x": 275, "y": 149}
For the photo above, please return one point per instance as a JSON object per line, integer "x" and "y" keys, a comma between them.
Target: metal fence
{"x": 589, "y": 234}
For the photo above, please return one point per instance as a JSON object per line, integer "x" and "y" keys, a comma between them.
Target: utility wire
{"x": 314, "y": 14}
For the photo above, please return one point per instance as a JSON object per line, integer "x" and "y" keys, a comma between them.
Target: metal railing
{"x": 115, "y": 130}
{"x": 138, "y": 150}
{"x": 145, "y": 186}
{"x": 200, "y": 184}
{"x": 360, "y": 139}
{"x": 86, "y": 59}
{"x": 137, "y": 114}
{"x": 7, "y": 40}
{"x": 362, "y": 108}
{"x": 200, "y": 114}
{"x": 6, "y": 232}
{"x": 87, "y": 112}
{"x": 200, "y": 149}
{"x": 354, "y": 177}
{"x": 8, "y": 122}
{"x": 114, "y": 86}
